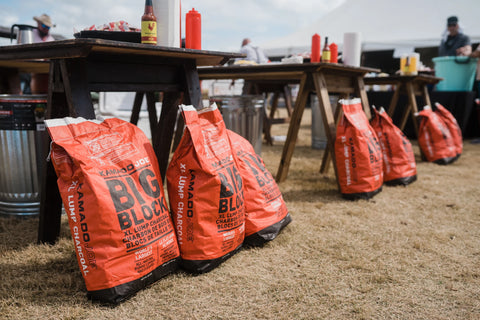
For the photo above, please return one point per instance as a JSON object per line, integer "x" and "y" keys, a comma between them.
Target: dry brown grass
{"x": 409, "y": 253}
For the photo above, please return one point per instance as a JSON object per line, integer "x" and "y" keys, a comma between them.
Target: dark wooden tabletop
{"x": 83, "y": 47}
{"x": 426, "y": 78}
{"x": 277, "y": 70}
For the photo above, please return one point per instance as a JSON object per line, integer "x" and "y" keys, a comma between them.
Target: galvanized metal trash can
{"x": 319, "y": 136}
{"x": 243, "y": 115}
{"x": 21, "y": 160}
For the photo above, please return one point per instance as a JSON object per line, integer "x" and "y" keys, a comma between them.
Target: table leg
{"x": 326, "y": 154}
{"x": 288, "y": 99}
{"x": 75, "y": 81}
{"x": 329, "y": 122}
{"x": 273, "y": 109}
{"x": 163, "y": 133}
{"x": 426, "y": 96}
{"x": 137, "y": 106}
{"x": 294, "y": 126}
{"x": 192, "y": 96}
{"x": 50, "y": 200}
{"x": 152, "y": 112}
{"x": 362, "y": 93}
{"x": 193, "y": 93}
{"x": 67, "y": 87}
{"x": 412, "y": 107}
{"x": 271, "y": 118}
{"x": 267, "y": 124}
{"x": 394, "y": 101}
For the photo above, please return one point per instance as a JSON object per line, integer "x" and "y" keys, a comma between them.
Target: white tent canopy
{"x": 385, "y": 24}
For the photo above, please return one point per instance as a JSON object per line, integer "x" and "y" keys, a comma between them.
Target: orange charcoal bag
{"x": 110, "y": 184}
{"x": 435, "y": 139}
{"x": 399, "y": 167}
{"x": 357, "y": 153}
{"x": 266, "y": 213}
{"x": 206, "y": 192}
{"x": 452, "y": 126}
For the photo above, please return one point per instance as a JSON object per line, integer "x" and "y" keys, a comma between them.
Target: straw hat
{"x": 45, "y": 19}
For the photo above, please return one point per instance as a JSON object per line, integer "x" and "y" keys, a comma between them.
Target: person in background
{"x": 37, "y": 83}
{"x": 253, "y": 53}
{"x": 42, "y": 33}
{"x": 454, "y": 41}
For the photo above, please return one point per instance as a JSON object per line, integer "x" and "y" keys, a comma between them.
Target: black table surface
{"x": 276, "y": 70}
{"x": 83, "y": 47}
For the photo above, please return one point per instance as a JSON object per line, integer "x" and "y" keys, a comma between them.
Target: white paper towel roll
{"x": 168, "y": 15}
{"x": 352, "y": 48}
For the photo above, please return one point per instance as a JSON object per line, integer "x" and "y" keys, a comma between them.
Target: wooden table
{"x": 412, "y": 86}
{"x": 79, "y": 66}
{"x": 322, "y": 78}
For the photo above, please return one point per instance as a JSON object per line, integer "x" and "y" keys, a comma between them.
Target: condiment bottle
{"x": 315, "y": 55}
{"x": 333, "y": 53}
{"x": 193, "y": 30}
{"x": 413, "y": 59}
{"x": 326, "y": 54}
{"x": 403, "y": 64}
{"x": 149, "y": 24}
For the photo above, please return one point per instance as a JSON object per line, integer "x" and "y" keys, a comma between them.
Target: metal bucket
{"x": 22, "y": 131}
{"x": 319, "y": 136}
{"x": 243, "y": 115}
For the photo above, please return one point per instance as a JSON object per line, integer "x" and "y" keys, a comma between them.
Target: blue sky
{"x": 224, "y": 22}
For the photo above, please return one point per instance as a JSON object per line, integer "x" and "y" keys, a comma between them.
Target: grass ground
{"x": 409, "y": 253}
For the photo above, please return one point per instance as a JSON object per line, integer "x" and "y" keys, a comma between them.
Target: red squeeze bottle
{"x": 315, "y": 55}
{"x": 333, "y": 53}
{"x": 193, "y": 30}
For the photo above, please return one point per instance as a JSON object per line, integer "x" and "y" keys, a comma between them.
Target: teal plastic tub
{"x": 458, "y": 73}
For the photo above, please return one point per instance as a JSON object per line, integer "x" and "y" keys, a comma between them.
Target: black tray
{"x": 125, "y": 36}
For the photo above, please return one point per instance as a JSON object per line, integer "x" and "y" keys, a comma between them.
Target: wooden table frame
{"x": 412, "y": 86}
{"x": 322, "y": 78}
{"x": 79, "y": 66}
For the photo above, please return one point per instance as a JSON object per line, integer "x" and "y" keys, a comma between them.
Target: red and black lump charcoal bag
{"x": 399, "y": 167}
{"x": 205, "y": 189}
{"x": 435, "y": 139}
{"x": 452, "y": 126}
{"x": 110, "y": 184}
{"x": 266, "y": 213}
{"x": 357, "y": 153}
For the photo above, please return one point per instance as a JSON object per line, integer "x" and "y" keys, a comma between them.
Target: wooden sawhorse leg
{"x": 326, "y": 159}
{"x": 270, "y": 119}
{"x": 410, "y": 110}
{"x": 329, "y": 150}
{"x": 394, "y": 101}
{"x": 152, "y": 110}
{"x": 67, "y": 96}
{"x": 165, "y": 128}
{"x": 329, "y": 121}
{"x": 294, "y": 126}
